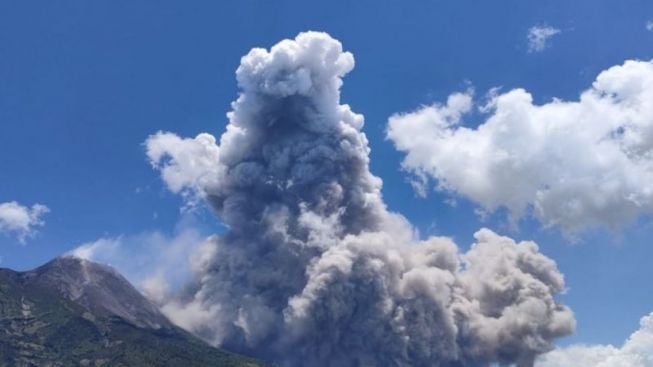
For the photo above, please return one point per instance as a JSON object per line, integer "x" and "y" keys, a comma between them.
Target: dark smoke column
{"x": 314, "y": 270}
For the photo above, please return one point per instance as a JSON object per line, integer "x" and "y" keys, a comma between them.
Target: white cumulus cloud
{"x": 539, "y": 36}
{"x": 637, "y": 351}
{"x": 576, "y": 164}
{"x": 21, "y": 220}
{"x": 184, "y": 163}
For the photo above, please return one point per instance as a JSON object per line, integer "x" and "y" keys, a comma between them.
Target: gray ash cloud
{"x": 314, "y": 270}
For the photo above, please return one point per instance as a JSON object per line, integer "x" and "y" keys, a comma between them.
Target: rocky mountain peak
{"x": 97, "y": 287}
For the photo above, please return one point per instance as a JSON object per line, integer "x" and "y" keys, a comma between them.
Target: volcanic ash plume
{"x": 314, "y": 270}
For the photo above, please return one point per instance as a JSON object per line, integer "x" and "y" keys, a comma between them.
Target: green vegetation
{"x": 40, "y": 327}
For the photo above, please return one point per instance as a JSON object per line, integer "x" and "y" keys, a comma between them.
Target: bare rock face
{"x": 99, "y": 288}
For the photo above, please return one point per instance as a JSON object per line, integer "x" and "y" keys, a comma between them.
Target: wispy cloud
{"x": 649, "y": 25}
{"x": 156, "y": 262}
{"x": 20, "y": 220}
{"x": 539, "y": 36}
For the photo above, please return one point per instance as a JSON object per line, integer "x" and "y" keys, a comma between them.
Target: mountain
{"x": 74, "y": 312}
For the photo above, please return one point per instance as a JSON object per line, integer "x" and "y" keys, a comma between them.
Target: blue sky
{"x": 83, "y": 84}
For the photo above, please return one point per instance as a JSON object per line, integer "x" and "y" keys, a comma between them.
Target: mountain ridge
{"x": 74, "y": 312}
{"x": 98, "y": 287}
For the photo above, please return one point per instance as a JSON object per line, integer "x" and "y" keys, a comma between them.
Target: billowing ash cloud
{"x": 574, "y": 164}
{"x": 314, "y": 270}
{"x": 637, "y": 351}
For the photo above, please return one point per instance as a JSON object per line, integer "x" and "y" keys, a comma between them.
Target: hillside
{"x": 72, "y": 312}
